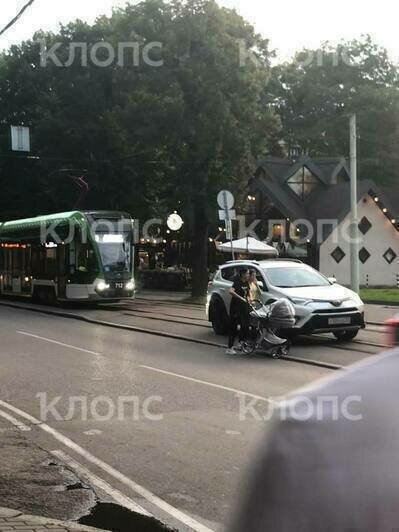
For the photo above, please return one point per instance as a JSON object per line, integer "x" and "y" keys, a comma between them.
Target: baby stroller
{"x": 264, "y": 321}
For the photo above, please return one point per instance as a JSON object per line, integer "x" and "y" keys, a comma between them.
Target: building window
{"x": 364, "y": 225}
{"x": 364, "y": 255}
{"x": 277, "y": 231}
{"x": 390, "y": 255}
{"x": 338, "y": 254}
{"x": 303, "y": 182}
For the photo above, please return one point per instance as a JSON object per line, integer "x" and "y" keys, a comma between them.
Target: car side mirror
{"x": 332, "y": 280}
{"x": 261, "y": 285}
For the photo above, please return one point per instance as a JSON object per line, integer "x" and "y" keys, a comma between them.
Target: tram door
{"x": 62, "y": 271}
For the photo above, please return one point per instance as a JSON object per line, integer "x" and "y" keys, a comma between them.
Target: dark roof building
{"x": 312, "y": 190}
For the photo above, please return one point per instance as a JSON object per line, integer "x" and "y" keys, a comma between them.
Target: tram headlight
{"x": 101, "y": 286}
{"x": 131, "y": 285}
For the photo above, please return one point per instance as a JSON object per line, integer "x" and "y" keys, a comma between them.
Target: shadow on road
{"x": 108, "y": 516}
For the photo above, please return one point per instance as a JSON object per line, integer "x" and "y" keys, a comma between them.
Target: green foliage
{"x": 156, "y": 126}
{"x": 154, "y": 139}
{"x": 150, "y": 137}
{"x": 316, "y": 93}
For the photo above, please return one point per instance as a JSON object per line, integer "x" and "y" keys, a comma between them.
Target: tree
{"x": 150, "y": 136}
{"x": 315, "y": 93}
{"x": 217, "y": 120}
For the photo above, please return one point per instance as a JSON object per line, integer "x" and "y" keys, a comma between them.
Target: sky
{"x": 289, "y": 24}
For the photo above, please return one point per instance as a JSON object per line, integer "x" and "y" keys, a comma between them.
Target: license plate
{"x": 339, "y": 321}
{"x": 119, "y": 285}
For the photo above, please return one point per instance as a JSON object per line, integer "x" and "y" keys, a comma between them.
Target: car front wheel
{"x": 346, "y": 336}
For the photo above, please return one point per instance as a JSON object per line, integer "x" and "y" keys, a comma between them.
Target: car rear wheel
{"x": 346, "y": 336}
{"x": 219, "y": 317}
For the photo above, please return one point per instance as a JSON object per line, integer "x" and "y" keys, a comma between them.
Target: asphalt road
{"x": 32, "y": 481}
{"x": 183, "y": 455}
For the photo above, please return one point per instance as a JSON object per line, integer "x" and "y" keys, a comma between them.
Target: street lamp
{"x": 175, "y": 222}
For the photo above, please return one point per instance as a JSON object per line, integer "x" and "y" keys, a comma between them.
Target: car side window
{"x": 261, "y": 281}
{"x": 228, "y": 274}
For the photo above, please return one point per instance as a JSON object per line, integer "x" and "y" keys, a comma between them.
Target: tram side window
{"x": 17, "y": 261}
{"x": 12, "y": 260}
{"x": 44, "y": 262}
{"x": 38, "y": 261}
{"x": 51, "y": 262}
{"x": 85, "y": 259}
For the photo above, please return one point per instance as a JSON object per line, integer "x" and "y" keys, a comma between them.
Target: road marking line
{"x": 26, "y": 416}
{"x": 58, "y": 343}
{"x": 85, "y": 473}
{"x": 140, "y": 490}
{"x": 15, "y": 422}
{"x": 211, "y": 384}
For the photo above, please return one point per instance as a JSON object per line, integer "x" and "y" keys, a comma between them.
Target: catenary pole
{"x": 354, "y": 244}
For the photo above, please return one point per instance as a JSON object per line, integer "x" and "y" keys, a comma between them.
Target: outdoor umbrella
{"x": 248, "y": 245}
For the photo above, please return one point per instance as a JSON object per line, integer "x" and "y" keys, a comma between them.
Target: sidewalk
{"x": 162, "y": 295}
{"x": 34, "y": 483}
{"x": 380, "y": 313}
{"x": 14, "y": 520}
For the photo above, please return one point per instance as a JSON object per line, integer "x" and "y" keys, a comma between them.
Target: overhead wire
{"x": 17, "y": 17}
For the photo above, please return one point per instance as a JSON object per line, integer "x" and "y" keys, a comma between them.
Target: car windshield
{"x": 295, "y": 277}
{"x": 115, "y": 255}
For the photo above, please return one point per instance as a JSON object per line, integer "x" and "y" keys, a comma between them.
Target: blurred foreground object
{"x": 329, "y": 463}
{"x": 393, "y": 331}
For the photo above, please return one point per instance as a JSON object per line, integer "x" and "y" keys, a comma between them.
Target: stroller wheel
{"x": 285, "y": 349}
{"x": 248, "y": 347}
{"x": 276, "y": 353}
{"x": 281, "y": 351}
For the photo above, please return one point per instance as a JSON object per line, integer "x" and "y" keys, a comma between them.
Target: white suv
{"x": 321, "y": 305}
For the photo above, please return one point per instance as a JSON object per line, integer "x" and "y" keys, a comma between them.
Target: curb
{"x": 382, "y": 303}
{"x": 37, "y": 521}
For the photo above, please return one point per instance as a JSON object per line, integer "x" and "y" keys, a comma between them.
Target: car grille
{"x": 335, "y": 311}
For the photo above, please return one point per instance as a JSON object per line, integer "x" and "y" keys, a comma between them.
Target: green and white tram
{"x": 71, "y": 256}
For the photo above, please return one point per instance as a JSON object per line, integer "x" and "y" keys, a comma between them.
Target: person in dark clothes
{"x": 239, "y": 310}
{"x": 325, "y": 466}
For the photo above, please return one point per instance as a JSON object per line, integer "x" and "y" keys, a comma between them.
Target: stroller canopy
{"x": 282, "y": 314}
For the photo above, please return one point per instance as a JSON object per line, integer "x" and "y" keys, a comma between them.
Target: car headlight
{"x": 101, "y": 286}
{"x": 299, "y": 301}
{"x": 131, "y": 285}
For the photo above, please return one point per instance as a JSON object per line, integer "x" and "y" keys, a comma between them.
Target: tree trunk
{"x": 200, "y": 248}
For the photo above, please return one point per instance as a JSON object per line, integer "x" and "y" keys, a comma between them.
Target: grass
{"x": 386, "y": 295}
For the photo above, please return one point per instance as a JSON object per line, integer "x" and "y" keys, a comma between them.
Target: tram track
{"x": 291, "y": 358}
{"x": 167, "y": 314}
{"x": 336, "y": 345}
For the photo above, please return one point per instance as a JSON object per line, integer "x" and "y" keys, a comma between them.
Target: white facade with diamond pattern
{"x": 379, "y": 248}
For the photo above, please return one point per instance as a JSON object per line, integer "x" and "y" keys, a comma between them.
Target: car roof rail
{"x": 280, "y": 259}
{"x": 240, "y": 261}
